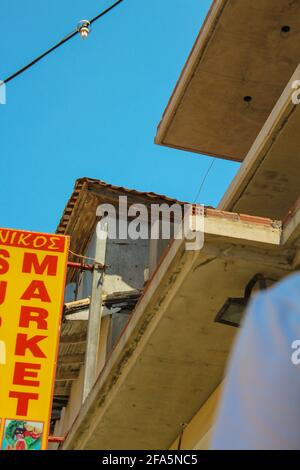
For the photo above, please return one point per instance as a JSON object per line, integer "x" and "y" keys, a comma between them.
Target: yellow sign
{"x": 32, "y": 280}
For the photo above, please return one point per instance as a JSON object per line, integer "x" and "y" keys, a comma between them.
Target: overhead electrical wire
{"x": 60, "y": 43}
{"x": 40, "y": 57}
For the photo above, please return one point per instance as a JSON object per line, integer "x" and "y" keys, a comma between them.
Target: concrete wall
{"x": 127, "y": 260}
{"x": 196, "y": 434}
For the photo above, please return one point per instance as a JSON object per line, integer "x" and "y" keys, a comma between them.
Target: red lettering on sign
{"x": 33, "y": 314}
{"x": 24, "y": 370}
{"x": 24, "y": 238}
{"x": 31, "y": 263}
{"x": 36, "y": 290}
{"x": 23, "y": 401}
{"x": 3, "y": 287}
{"x": 38, "y": 241}
{"x": 4, "y": 266}
{"x": 23, "y": 343}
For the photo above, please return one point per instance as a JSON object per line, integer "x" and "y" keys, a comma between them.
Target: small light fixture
{"x": 233, "y": 310}
{"x": 83, "y": 28}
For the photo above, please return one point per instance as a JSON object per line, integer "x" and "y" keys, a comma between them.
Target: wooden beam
{"x": 71, "y": 359}
{"x": 76, "y": 305}
{"x": 63, "y": 375}
{"x": 60, "y": 391}
{"x": 73, "y": 339}
{"x": 80, "y": 315}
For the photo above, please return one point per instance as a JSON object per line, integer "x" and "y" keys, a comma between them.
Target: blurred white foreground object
{"x": 260, "y": 405}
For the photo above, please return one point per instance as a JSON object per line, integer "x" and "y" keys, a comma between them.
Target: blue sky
{"x": 92, "y": 107}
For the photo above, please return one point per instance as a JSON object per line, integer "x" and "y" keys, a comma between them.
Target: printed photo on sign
{"x": 22, "y": 435}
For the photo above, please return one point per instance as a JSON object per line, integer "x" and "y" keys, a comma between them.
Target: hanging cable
{"x": 105, "y": 11}
{"x": 203, "y": 180}
{"x": 78, "y": 30}
{"x": 14, "y": 75}
{"x": 82, "y": 257}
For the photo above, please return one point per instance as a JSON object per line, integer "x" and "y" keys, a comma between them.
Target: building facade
{"x": 162, "y": 355}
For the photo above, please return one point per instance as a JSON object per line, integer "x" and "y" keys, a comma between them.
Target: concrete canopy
{"x": 241, "y": 52}
{"x": 172, "y": 355}
{"x": 267, "y": 183}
